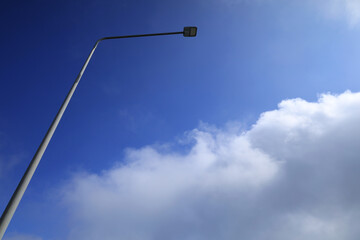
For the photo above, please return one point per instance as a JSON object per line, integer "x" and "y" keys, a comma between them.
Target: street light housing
{"x": 190, "y": 31}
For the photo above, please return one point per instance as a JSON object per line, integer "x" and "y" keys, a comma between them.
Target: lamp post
{"x": 24, "y": 182}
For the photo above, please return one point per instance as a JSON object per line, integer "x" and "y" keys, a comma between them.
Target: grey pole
{"x": 25, "y": 180}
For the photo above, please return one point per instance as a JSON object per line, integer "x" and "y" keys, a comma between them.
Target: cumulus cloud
{"x": 292, "y": 175}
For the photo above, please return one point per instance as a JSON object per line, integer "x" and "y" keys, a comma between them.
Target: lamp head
{"x": 190, "y": 31}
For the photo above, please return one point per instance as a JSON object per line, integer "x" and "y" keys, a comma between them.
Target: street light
{"x": 24, "y": 182}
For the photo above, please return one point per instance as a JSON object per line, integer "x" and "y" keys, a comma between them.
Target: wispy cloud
{"x": 17, "y": 236}
{"x": 346, "y": 9}
{"x": 293, "y": 175}
{"x": 8, "y": 162}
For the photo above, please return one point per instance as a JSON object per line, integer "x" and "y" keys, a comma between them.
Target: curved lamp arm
{"x": 25, "y": 180}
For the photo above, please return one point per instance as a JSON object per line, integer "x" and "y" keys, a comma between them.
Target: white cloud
{"x": 293, "y": 175}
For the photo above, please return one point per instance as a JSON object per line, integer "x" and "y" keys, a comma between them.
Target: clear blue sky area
{"x": 247, "y": 57}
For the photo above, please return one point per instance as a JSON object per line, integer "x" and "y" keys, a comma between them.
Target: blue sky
{"x": 248, "y": 57}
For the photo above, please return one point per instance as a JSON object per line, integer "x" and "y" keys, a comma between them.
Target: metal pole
{"x": 19, "y": 192}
